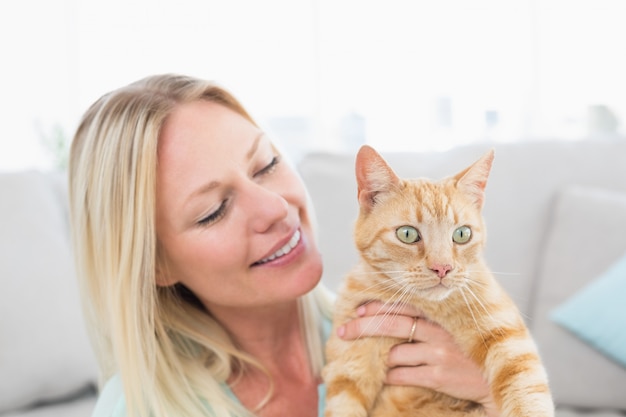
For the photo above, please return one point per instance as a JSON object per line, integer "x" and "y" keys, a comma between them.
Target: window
{"x": 326, "y": 74}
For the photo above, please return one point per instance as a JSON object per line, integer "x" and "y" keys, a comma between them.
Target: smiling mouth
{"x": 288, "y": 247}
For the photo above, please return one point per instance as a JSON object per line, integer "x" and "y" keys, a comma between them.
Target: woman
{"x": 199, "y": 269}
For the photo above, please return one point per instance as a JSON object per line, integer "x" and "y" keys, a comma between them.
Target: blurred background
{"x": 324, "y": 74}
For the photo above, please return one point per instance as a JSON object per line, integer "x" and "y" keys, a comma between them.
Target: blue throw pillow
{"x": 597, "y": 313}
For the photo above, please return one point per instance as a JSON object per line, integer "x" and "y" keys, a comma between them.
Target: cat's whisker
{"x": 481, "y": 330}
{"x": 365, "y": 273}
{"x": 387, "y": 312}
{"x": 512, "y": 274}
{"x": 474, "y": 282}
{"x": 361, "y": 297}
{"x": 477, "y": 283}
{"x": 519, "y": 301}
{"x": 400, "y": 297}
{"x": 485, "y": 310}
{"x": 478, "y": 301}
{"x": 483, "y": 271}
{"x": 386, "y": 284}
{"x": 471, "y": 310}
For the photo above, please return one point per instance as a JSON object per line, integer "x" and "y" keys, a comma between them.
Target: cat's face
{"x": 425, "y": 237}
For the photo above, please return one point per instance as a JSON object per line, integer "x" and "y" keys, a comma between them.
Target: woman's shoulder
{"x": 111, "y": 401}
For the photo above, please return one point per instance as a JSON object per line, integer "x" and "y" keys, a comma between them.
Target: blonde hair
{"x": 172, "y": 357}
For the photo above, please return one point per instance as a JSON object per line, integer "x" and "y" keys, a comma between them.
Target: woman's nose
{"x": 265, "y": 208}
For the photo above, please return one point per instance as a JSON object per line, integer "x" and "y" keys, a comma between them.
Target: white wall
{"x": 400, "y": 74}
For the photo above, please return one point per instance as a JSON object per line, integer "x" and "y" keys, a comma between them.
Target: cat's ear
{"x": 473, "y": 179}
{"x": 374, "y": 177}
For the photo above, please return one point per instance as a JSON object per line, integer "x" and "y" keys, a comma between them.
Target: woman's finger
{"x": 408, "y": 354}
{"x": 401, "y": 327}
{"x": 424, "y": 376}
{"x": 441, "y": 367}
{"x": 460, "y": 382}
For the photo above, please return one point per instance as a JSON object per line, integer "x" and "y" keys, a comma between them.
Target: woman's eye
{"x": 407, "y": 234}
{"x": 214, "y": 216}
{"x": 269, "y": 167}
{"x": 462, "y": 234}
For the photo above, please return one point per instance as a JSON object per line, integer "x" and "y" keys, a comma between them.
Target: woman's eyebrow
{"x": 255, "y": 146}
{"x": 205, "y": 188}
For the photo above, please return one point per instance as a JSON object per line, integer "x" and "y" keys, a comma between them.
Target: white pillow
{"x": 44, "y": 351}
{"x": 585, "y": 238}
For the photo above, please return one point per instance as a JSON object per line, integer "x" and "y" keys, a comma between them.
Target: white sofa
{"x": 556, "y": 217}
{"x": 46, "y": 365}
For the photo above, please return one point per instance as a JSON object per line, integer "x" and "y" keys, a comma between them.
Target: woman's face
{"x": 233, "y": 222}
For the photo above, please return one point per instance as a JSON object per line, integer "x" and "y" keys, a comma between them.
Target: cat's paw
{"x": 344, "y": 405}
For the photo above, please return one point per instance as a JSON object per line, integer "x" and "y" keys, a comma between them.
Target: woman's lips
{"x": 284, "y": 250}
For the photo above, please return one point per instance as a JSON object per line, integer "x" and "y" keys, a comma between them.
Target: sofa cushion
{"x": 585, "y": 237}
{"x": 44, "y": 351}
{"x": 597, "y": 313}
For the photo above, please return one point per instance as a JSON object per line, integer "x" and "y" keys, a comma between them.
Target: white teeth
{"x": 284, "y": 250}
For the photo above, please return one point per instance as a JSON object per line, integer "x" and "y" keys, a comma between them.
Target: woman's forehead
{"x": 203, "y": 142}
{"x": 204, "y": 126}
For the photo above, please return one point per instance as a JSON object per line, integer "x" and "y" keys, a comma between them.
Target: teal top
{"x": 111, "y": 402}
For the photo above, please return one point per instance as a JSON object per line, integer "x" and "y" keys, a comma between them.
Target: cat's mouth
{"x": 438, "y": 291}
{"x": 426, "y": 285}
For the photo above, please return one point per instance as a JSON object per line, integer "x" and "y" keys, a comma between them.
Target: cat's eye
{"x": 407, "y": 234}
{"x": 462, "y": 234}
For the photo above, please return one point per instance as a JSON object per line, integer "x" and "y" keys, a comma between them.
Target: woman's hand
{"x": 432, "y": 359}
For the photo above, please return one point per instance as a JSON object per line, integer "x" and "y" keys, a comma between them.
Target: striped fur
{"x": 467, "y": 301}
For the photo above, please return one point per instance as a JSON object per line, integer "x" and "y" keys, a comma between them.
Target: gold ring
{"x": 410, "y": 340}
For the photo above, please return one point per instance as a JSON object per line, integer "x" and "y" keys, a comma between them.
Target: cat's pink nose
{"x": 441, "y": 270}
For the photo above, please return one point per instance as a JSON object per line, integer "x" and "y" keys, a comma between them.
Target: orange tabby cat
{"x": 421, "y": 244}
